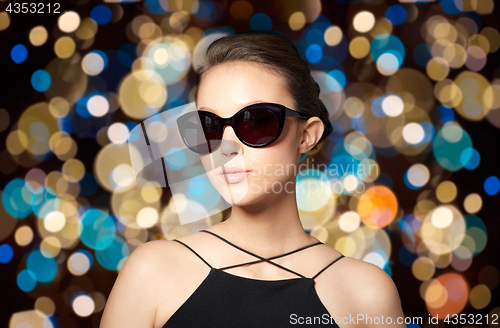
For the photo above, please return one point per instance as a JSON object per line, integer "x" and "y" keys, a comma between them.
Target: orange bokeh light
{"x": 455, "y": 291}
{"x": 377, "y": 207}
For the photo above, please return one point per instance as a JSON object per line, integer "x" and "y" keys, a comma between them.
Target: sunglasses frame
{"x": 282, "y": 113}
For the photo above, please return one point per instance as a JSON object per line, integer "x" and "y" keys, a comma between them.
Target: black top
{"x": 227, "y": 300}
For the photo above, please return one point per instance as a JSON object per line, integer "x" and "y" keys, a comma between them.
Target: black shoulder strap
{"x": 271, "y": 258}
{"x": 338, "y": 258}
{"x": 192, "y": 250}
{"x": 260, "y": 257}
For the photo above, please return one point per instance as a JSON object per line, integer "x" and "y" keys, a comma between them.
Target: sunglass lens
{"x": 258, "y": 125}
{"x": 202, "y": 133}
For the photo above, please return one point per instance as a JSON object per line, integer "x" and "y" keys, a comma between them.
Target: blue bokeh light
{"x": 396, "y": 14}
{"x": 157, "y": 7}
{"x": 387, "y": 43}
{"x": 101, "y": 14}
{"x": 16, "y": 198}
{"x": 97, "y": 229}
{"x": 336, "y": 80}
{"x": 88, "y": 185}
{"x": 452, "y": 7}
{"x": 446, "y": 113}
{"x": 491, "y": 185}
{"x": 422, "y": 54}
{"x": 197, "y": 185}
{"x": 315, "y": 36}
{"x": 470, "y": 158}
{"x": 6, "y": 253}
{"x": 127, "y": 54}
{"x": 314, "y": 53}
{"x": 19, "y": 53}
{"x": 175, "y": 158}
{"x": 40, "y": 80}
{"x": 26, "y": 280}
{"x": 111, "y": 257}
{"x": 260, "y": 21}
{"x": 44, "y": 200}
{"x": 202, "y": 9}
{"x": 44, "y": 268}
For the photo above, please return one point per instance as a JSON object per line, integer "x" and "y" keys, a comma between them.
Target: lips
{"x": 231, "y": 170}
{"x": 234, "y": 174}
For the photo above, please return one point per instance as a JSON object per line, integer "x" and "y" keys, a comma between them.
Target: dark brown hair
{"x": 277, "y": 53}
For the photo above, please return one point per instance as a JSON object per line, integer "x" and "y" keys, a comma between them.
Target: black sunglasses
{"x": 256, "y": 125}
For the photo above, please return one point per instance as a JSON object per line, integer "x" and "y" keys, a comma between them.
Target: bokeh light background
{"x": 413, "y": 92}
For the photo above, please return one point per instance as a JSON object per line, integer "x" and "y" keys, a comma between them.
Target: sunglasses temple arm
{"x": 293, "y": 113}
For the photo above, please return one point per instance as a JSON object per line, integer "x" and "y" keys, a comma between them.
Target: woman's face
{"x": 224, "y": 90}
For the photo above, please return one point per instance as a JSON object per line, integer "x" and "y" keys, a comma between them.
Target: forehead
{"x": 229, "y": 87}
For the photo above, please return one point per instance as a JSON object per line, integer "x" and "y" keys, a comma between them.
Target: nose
{"x": 230, "y": 144}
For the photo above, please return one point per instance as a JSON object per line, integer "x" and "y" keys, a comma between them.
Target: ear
{"x": 312, "y": 131}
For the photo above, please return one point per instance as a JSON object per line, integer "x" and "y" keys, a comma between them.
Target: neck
{"x": 273, "y": 226}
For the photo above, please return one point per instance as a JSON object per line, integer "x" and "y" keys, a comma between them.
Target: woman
{"x": 259, "y": 267}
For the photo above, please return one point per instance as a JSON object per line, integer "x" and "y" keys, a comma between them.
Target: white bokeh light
{"x": 118, "y": 133}
{"x": 98, "y": 105}
{"x": 363, "y": 21}
{"x": 392, "y": 105}
{"x": 413, "y": 133}
{"x": 83, "y": 305}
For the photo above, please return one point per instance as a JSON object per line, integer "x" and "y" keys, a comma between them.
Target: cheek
{"x": 274, "y": 164}
{"x": 206, "y": 162}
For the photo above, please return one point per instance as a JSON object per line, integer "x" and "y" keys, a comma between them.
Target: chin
{"x": 236, "y": 193}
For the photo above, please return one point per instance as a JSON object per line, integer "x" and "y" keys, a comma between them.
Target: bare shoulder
{"x": 163, "y": 260}
{"x": 150, "y": 257}
{"x": 370, "y": 278}
{"x": 162, "y": 253}
{"x": 132, "y": 298}
{"x": 141, "y": 294}
{"x": 351, "y": 287}
{"x": 377, "y": 295}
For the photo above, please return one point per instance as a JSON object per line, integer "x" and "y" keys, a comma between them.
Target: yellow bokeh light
{"x": 64, "y": 47}
{"x": 446, "y": 192}
{"x": 17, "y": 142}
{"x": 73, "y": 170}
{"x": 4, "y": 20}
{"x": 436, "y": 294}
{"x": 87, "y": 29}
{"x": 493, "y": 37}
{"x": 473, "y": 203}
{"x": 354, "y": 107}
{"x": 297, "y": 21}
{"x": 38, "y": 35}
{"x": 45, "y": 305}
{"x": 241, "y": 10}
{"x": 142, "y": 98}
{"x": 423, "y": 268}
{"x": 23, "y": 235}
{"x": 50, "y": 246}
{"x": 480, "y": 296}
{"x": 359, "y": 47}
{"x": 437, "y": 68}
{"x": 333, "y": 36}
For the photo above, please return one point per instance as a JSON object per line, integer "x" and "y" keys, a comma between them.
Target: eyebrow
{"x": 245, "y": 105}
